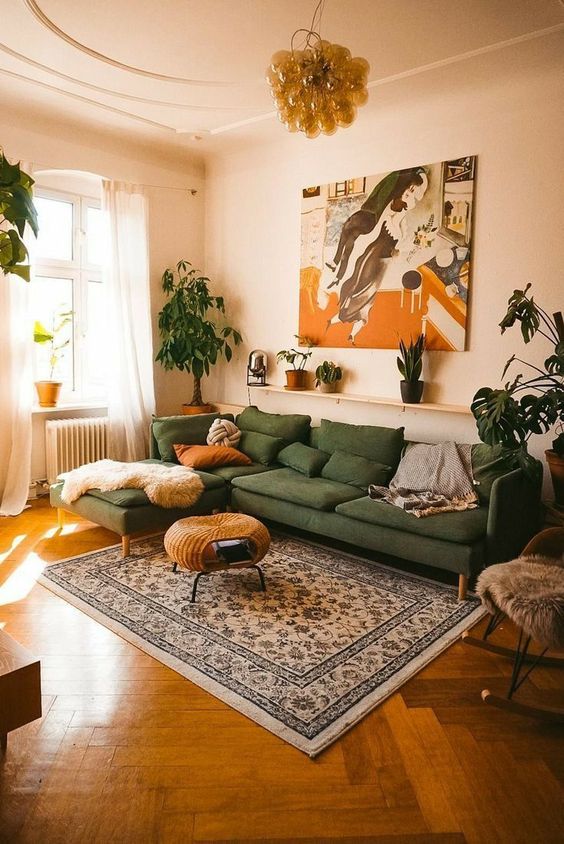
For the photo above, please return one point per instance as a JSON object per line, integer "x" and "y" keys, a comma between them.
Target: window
{"x": 68, "y": 293}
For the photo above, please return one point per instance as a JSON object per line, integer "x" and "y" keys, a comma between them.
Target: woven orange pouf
{"x": 188, "y": 542}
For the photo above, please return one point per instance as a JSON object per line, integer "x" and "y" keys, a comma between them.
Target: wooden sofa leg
{"x": 462, "y": 587}
{"x": 125, "y": 545}
{"x": 60, "y": 517}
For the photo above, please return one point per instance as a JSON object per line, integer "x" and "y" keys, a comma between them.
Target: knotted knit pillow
{"x": 223, "y": 432}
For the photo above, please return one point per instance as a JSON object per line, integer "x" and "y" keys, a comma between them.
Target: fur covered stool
{"x": 530, "y": 592}
{"x": 192, "y": 544}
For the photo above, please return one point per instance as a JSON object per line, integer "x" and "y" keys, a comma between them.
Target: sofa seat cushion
{"x": 138, "y": 498}
{"x": 292, "y": 486}
{"x": 228, "y": 473}
{"x": 464, "y": 527}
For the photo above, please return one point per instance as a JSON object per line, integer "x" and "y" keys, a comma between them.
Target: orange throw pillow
{"x": 210, "y": 456}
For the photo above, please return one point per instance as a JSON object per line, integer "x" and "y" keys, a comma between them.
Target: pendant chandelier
{"x": 317, "y": 89}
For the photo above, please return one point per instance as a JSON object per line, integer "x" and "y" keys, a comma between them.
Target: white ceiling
{"x": 196, "y": 67}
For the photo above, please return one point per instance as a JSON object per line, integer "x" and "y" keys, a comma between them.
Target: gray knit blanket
{"x": 431, "y": 479}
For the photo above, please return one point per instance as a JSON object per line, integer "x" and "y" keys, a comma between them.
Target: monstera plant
{"x": 16, "y": 211}
{"x": 511, "y": 415}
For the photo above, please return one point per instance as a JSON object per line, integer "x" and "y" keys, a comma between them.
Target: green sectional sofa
{"x": 316, "y": 479}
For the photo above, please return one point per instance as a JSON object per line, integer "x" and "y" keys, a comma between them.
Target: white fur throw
{"x": 165, "y": 486}
{"x": 223, "y": 432}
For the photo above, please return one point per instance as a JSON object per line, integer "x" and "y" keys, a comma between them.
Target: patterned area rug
{"x": 331, "y": 637}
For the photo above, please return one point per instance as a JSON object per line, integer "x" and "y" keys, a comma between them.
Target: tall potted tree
{"x": 16, "y": 211}
{"x": 190, "y": 340}
{"x": 527, "y": 406}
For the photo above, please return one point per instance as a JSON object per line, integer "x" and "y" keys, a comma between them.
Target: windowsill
{"x": 63, "y": 408}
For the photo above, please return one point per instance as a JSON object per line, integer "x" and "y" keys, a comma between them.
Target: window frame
{"x": 80, "y": 272}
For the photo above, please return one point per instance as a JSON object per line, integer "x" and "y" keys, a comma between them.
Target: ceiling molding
{"x": 75, "y": 81}
{"x": 415, "y": 71}
{"x": 87, "y": 100}
{"x": 45, "y": 21}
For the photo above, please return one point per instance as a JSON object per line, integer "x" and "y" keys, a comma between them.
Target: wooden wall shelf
{"x": 351, "y": 397}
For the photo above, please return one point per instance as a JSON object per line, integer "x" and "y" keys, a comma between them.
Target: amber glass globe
{"x": 317, "y": 89}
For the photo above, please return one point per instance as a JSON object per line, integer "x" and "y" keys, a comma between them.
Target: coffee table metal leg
{"x": 261, "y": 575}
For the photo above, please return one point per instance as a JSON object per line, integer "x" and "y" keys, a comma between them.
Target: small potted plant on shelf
{"x": 522, "y": 408}
{"x": 327, "y": 375}
{"x": 56, "y": 340}
{"x": 296, "y": 377}
{"x": 190, "y": 340}
{"x": 410, "y": 365}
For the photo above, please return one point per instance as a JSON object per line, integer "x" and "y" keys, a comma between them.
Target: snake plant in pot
{"x": 410, "y": 365}
{"x": 510, "y": 416}
{"x": 190, "y": 340}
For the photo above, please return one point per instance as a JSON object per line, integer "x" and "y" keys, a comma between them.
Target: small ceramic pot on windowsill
{"x": 48, "y": 392}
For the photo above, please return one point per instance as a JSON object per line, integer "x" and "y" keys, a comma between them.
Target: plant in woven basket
{"x": 511, "y": 415}
{"x": 191, "y": 338}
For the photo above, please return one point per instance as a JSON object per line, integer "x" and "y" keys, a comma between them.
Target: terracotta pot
{"x": 193, "y": 409}
{"x": 327, "y": 387}
{"x": 411, "y": 391}
{"x": 296, "y": 379}
{"x": 556, "y": 466}
{"x": 48, "y": 392}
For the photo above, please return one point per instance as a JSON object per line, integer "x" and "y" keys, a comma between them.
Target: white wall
{"x": 506, "y": 108}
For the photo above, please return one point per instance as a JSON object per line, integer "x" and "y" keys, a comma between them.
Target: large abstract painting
{"x": 388, "y": 256}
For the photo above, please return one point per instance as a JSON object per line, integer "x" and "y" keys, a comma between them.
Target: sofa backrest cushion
{"x": 290, "y": 427}
{"x": 488, "y": 464}
{"x": 166, "y": 431}
{"x": 356, "y": 471}
{"x": 382, "y": 445}
{"x": 303, "y": 458}
{"x": 261, "y": 448}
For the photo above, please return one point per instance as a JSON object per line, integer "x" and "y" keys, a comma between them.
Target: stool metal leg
{"x": 195, "y": 586}
{"x": 174, "y": 567}
{"x": 261, "y": 576}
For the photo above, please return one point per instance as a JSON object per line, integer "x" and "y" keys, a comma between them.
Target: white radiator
{"x": 70, "y": 443}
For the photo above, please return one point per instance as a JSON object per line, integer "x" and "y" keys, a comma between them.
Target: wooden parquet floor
{"x": 129, "y": 751}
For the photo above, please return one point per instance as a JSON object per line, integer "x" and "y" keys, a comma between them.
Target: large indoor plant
{"x": 510, "y": 416}
{"x": 410, "y": 365}
{"x": 327, "y": 376}
{"x": 16, "y": 211}
{"x": 296, "y": 376}
{"x": 56, "y": 339}
{"x": 191, "y": 338}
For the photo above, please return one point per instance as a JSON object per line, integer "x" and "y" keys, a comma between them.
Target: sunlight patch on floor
{"x": 20, "y": 583}
{"x": 17, "y": 540}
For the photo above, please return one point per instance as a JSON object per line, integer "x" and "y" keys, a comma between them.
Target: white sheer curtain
{"x": 131, "y": 395}
{"x": 16, "y": 393}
